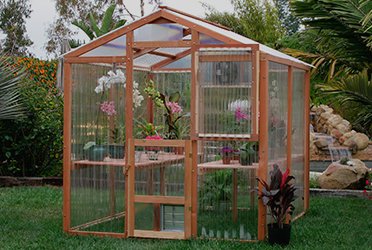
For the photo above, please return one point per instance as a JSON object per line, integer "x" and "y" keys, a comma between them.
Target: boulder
{"x": 336, "y": 133}
{"x": 340, "y": 176}
{"x": 342, "y": 128}
{"x": 321, "y": 143}
{"x": 325, "y": 116}
{"x": 359, "y": 139}
{"x": 334, "y": 120}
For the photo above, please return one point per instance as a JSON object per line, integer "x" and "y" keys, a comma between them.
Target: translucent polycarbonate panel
{"x": 227, "y": 201}
{"x": 172, "y": 51}
{"x": 224, "y": 94}
{"x": 183, "y": 63}
{"x": 159, "y": 171}
{"x": 172, "y": 218}
{"x": 148, "y": 60}
{"x": 169, "y": 84}
{"x": 298, "y": 137}
{"x": 116, "y": 47}
{"x": 98, "y": 112}
{"x": 159, "y": 32}
{"x": 278, "y": 114}
{"x": 205, "y": 39}
{"x": 97, "y": 197}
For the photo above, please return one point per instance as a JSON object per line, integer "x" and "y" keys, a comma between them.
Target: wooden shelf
{"x": 163, "y": 160}
{"x": 233, "y": 165}
{"x": 228, "y": 136}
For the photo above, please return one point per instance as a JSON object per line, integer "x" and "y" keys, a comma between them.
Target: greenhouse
{"x": 167, "y": 123}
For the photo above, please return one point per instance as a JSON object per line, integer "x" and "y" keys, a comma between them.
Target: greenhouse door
{"x": 159, "y": 189}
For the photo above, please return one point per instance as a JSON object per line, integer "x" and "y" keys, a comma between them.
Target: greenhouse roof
{"x": 164, "y": 41}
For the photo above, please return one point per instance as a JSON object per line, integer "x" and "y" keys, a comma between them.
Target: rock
{"x": 338, "y": 176}
{"x": 361, "y": 140}
{"x": 325, "y": 116}
{"x": 321, "y": 143}
{"x": 343, "y": 128}
{"x": 336, "y": 133}
{"x": 334, "y": 120}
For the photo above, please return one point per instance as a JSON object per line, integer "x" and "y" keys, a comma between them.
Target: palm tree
{"x": 10, "y": 101}
{"x": 342, "y": 33}
{"x": 354, "y": 92}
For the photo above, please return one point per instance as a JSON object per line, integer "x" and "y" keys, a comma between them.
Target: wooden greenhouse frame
{"x": 197, "y": 35}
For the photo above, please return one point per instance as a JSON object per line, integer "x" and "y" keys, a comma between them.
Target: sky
{"x": 43, "y": 14}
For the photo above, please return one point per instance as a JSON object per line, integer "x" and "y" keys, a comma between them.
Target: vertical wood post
{"x": 129, "y": 183}
{"x": 193, "y": 108}
{"x": 67, "y": 78}
{"x": 263, "y": 140}
{"x": 307, "y": 141}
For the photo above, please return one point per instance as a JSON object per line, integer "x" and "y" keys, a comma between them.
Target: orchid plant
{"x": 278, "y": 195}
{"x": 108, "y": 108}
{"x": 173, "y": 110}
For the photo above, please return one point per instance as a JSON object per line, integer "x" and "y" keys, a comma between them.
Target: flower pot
{"x": 277, "y": 235}
{"x": 97, "y": 153}
{"x": 116, "y": 151}
{"x": 226, "y": 160}
{"x": 246, "y": 158}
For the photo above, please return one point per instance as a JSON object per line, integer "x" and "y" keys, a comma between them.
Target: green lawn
{"x": 31, "y": 218}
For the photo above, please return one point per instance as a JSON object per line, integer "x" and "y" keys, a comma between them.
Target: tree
{"x": 12, "y": 22}
{"x": 355, "y": 92}
{"x": 68, "y": 11}
{"x": 255, "y": 19}
{"x": 290, "y": 22}
{"x": 92, "y": 30}
{"x": 343, "y": 25}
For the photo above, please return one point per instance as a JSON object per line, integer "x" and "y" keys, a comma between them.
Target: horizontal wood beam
{"x": 162, "y": 44}
{"x": 171, "y": 200}
{"x": 159, "y": 234}
{"x": 158, "y": 143}
{"x": 96, "y": 59}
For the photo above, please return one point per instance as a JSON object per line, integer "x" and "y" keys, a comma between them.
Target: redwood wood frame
{"x": 135, "y": 49}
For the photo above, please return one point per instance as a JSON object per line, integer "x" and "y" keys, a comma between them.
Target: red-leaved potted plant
{"x": 278, "y": 197}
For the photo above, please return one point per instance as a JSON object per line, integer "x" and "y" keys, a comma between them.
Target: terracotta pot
{"x": 226, "y": 160}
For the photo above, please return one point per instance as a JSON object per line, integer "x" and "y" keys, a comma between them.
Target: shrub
{"x": 33, "y": 146}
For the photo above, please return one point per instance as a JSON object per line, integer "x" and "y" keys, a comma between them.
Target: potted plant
{"x": 106, "y": 119}
{"x": 248, "y": 153}
{"x": 278, "y": 197}
{"x": 226, "y": 154}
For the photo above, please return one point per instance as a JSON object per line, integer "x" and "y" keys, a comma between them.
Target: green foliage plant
{"x": 32, "y": 146}
{"x": 278, "y": 195}
{"x": 108, "y": 23}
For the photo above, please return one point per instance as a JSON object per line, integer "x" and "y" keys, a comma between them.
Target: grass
{"x": 31, "y": 218}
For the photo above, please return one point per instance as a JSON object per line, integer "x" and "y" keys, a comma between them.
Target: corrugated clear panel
{"x": 98, "y": 137}
{"x": 278, "y": 115}
{"x": 116, "y": 47}
{"x": 159, "y": 32}
{"x": 172, "y": 51}
{"x": 298, "y": 136}
{"x": 148, "y": 60}
{"x": 205, "y": 39}
{"x": 183, "y": 63}
{"x": 159, "y": 171}
{"x": 225, "y": 93}
{"x": 168, "y": 84}
{"x": 227, "y": 201}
